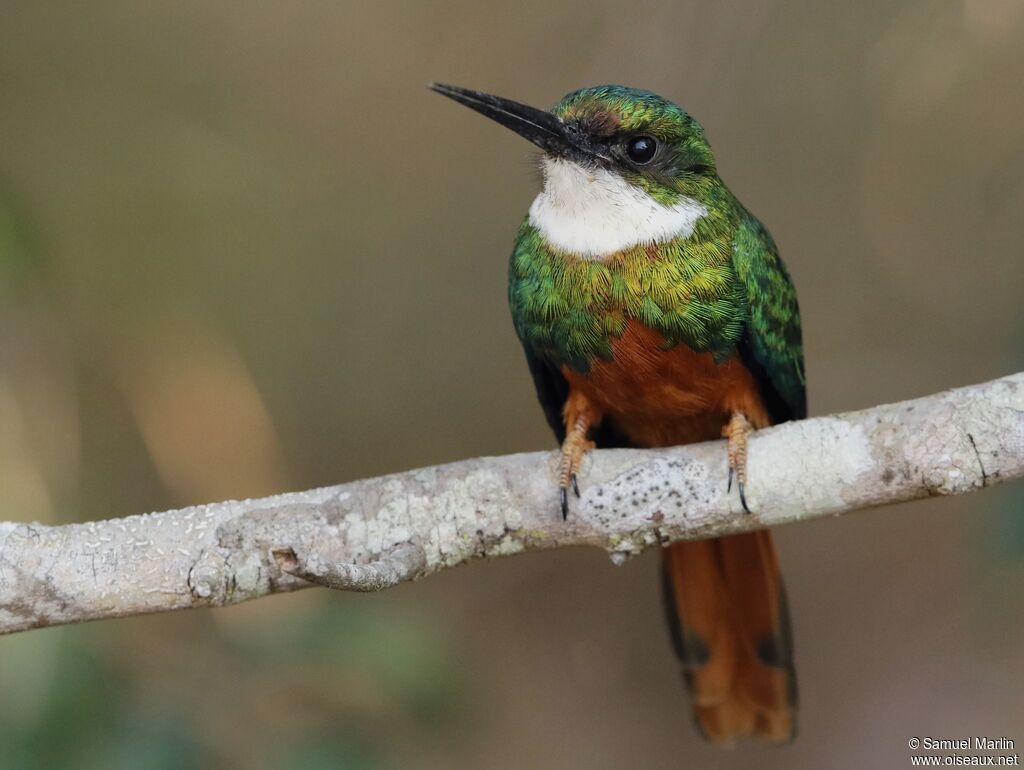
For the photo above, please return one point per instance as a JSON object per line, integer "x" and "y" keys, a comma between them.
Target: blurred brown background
{"x": 244, "y": 250}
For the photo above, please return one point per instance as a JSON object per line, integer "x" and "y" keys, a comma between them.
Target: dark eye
{"x": 641, "y": 149}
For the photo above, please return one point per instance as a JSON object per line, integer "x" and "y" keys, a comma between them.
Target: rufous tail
{"x": 730, "y": 624}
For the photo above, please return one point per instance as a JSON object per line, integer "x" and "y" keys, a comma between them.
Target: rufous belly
{"x": 663, "y": 397}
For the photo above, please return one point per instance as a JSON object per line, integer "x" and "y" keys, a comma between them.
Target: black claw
{"x": 743, "y": 497}
{"x": 564, "y": 494}
{"x": 575, "y": 485}
{"x": 728, "y": 487}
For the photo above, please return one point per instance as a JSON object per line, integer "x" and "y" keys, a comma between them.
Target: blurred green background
{"x": 244, "y": 250}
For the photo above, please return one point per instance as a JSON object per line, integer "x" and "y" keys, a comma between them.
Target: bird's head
{"x": 640, "y": 137}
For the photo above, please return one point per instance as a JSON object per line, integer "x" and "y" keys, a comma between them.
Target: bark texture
{"x": 375, "y": 533}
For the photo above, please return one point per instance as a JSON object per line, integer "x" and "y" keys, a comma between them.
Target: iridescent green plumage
{"x": 654, "y": 310}
{"x": 632, "y": 110}
{"x": 773, "y": 316}
{"x": 722, "y": 289}
{"x": 717, "y": 287}
{"x": 566, "y": 308}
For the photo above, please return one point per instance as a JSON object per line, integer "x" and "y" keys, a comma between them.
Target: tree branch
{"x": 372, "y": 534}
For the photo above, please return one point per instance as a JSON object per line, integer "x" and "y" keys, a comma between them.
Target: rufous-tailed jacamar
{"x": 654, "y": 310}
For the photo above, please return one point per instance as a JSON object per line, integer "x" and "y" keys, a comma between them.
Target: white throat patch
{"x": 594, "y": 213}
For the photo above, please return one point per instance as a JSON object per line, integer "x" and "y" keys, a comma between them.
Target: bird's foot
{"x": 574, "y": 448}
{"x": 736, "y": 431}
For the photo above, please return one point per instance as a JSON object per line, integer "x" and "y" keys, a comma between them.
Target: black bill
{"x": 540, "y": 127}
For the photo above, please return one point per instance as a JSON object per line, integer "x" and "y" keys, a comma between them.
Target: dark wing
{"x": 771, "y": 345}
{"x": 553, "y": 390}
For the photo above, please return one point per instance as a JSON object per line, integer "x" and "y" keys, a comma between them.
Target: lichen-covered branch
{"x": 371, "y": 534}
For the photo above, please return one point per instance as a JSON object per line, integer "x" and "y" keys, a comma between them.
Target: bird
{"x": 654, "y": 310}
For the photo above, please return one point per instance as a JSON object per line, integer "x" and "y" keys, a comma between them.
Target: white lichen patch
{"x": 947, "y": 459}
{"x": 817, "y": 479}
{"x": 462, "y": 511}
{"x": 507, "y": 546}
{"x": 490, "y": 517}
{"x": 249, "y": 576}
{"x": 649, "y": 492}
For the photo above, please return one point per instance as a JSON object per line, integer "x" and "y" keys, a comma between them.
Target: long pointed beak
{"x": 540, "y": 127}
